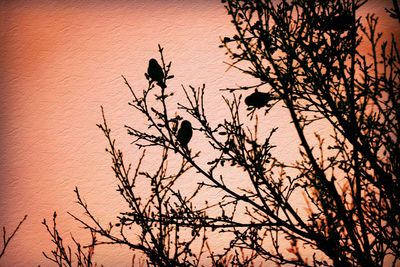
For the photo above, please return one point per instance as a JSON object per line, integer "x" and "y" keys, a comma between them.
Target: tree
{"x": 307, "y": 58}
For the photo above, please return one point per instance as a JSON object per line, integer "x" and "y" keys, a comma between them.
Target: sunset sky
{"x": 59, "y": 62}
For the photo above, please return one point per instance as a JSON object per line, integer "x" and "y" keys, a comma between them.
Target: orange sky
{"x": 61, "y": 60}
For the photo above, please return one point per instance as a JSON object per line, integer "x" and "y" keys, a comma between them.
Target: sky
{"x": 59, "y": 62}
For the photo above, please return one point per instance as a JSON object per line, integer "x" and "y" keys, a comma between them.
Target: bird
{"x": 156, "y": 73}
{"x": 185, "y": 133}
{"x": 339, "y": 23}
{"x": 257, "y": 99}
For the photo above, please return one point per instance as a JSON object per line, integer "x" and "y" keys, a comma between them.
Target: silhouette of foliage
{"x": 320, "y": 74}
{"x": 307, "y": 57}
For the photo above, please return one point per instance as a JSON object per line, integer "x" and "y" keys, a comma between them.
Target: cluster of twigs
{"x": 307, "y": 53}
{"x": 307, "y": 58}
{"x": 64, "y": 255}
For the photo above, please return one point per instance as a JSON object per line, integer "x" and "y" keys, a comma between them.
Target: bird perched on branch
{"x": 156, "y": 73}
{"x": 258, "y": 99}
{"x": 185, "y": 133}
{"x": 340, "y": 23}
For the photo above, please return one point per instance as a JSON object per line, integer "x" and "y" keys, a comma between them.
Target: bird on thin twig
{"x": 185, "y": 133}
{"x": 156, "y": 73}
{"x": 257, "y": 99}
{"x": 339, "y": 23}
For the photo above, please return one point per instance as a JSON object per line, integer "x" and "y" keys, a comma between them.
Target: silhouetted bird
{"x": 155, "y": 72}
{"x": 339, "y": 23}
{"x": 185, "y": 133}
{"x": 257, "y": 99}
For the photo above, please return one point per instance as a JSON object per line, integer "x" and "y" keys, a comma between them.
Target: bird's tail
{"x": 162, "y": 85}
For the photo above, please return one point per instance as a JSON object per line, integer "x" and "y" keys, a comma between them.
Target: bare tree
{"x": 308, "y": 54}
{"x": 306, "y": 57}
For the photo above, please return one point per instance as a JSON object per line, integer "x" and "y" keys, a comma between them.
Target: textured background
{"x": 61, "y": 60}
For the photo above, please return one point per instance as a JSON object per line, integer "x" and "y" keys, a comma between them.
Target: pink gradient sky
{"x": 61, "y": 60}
